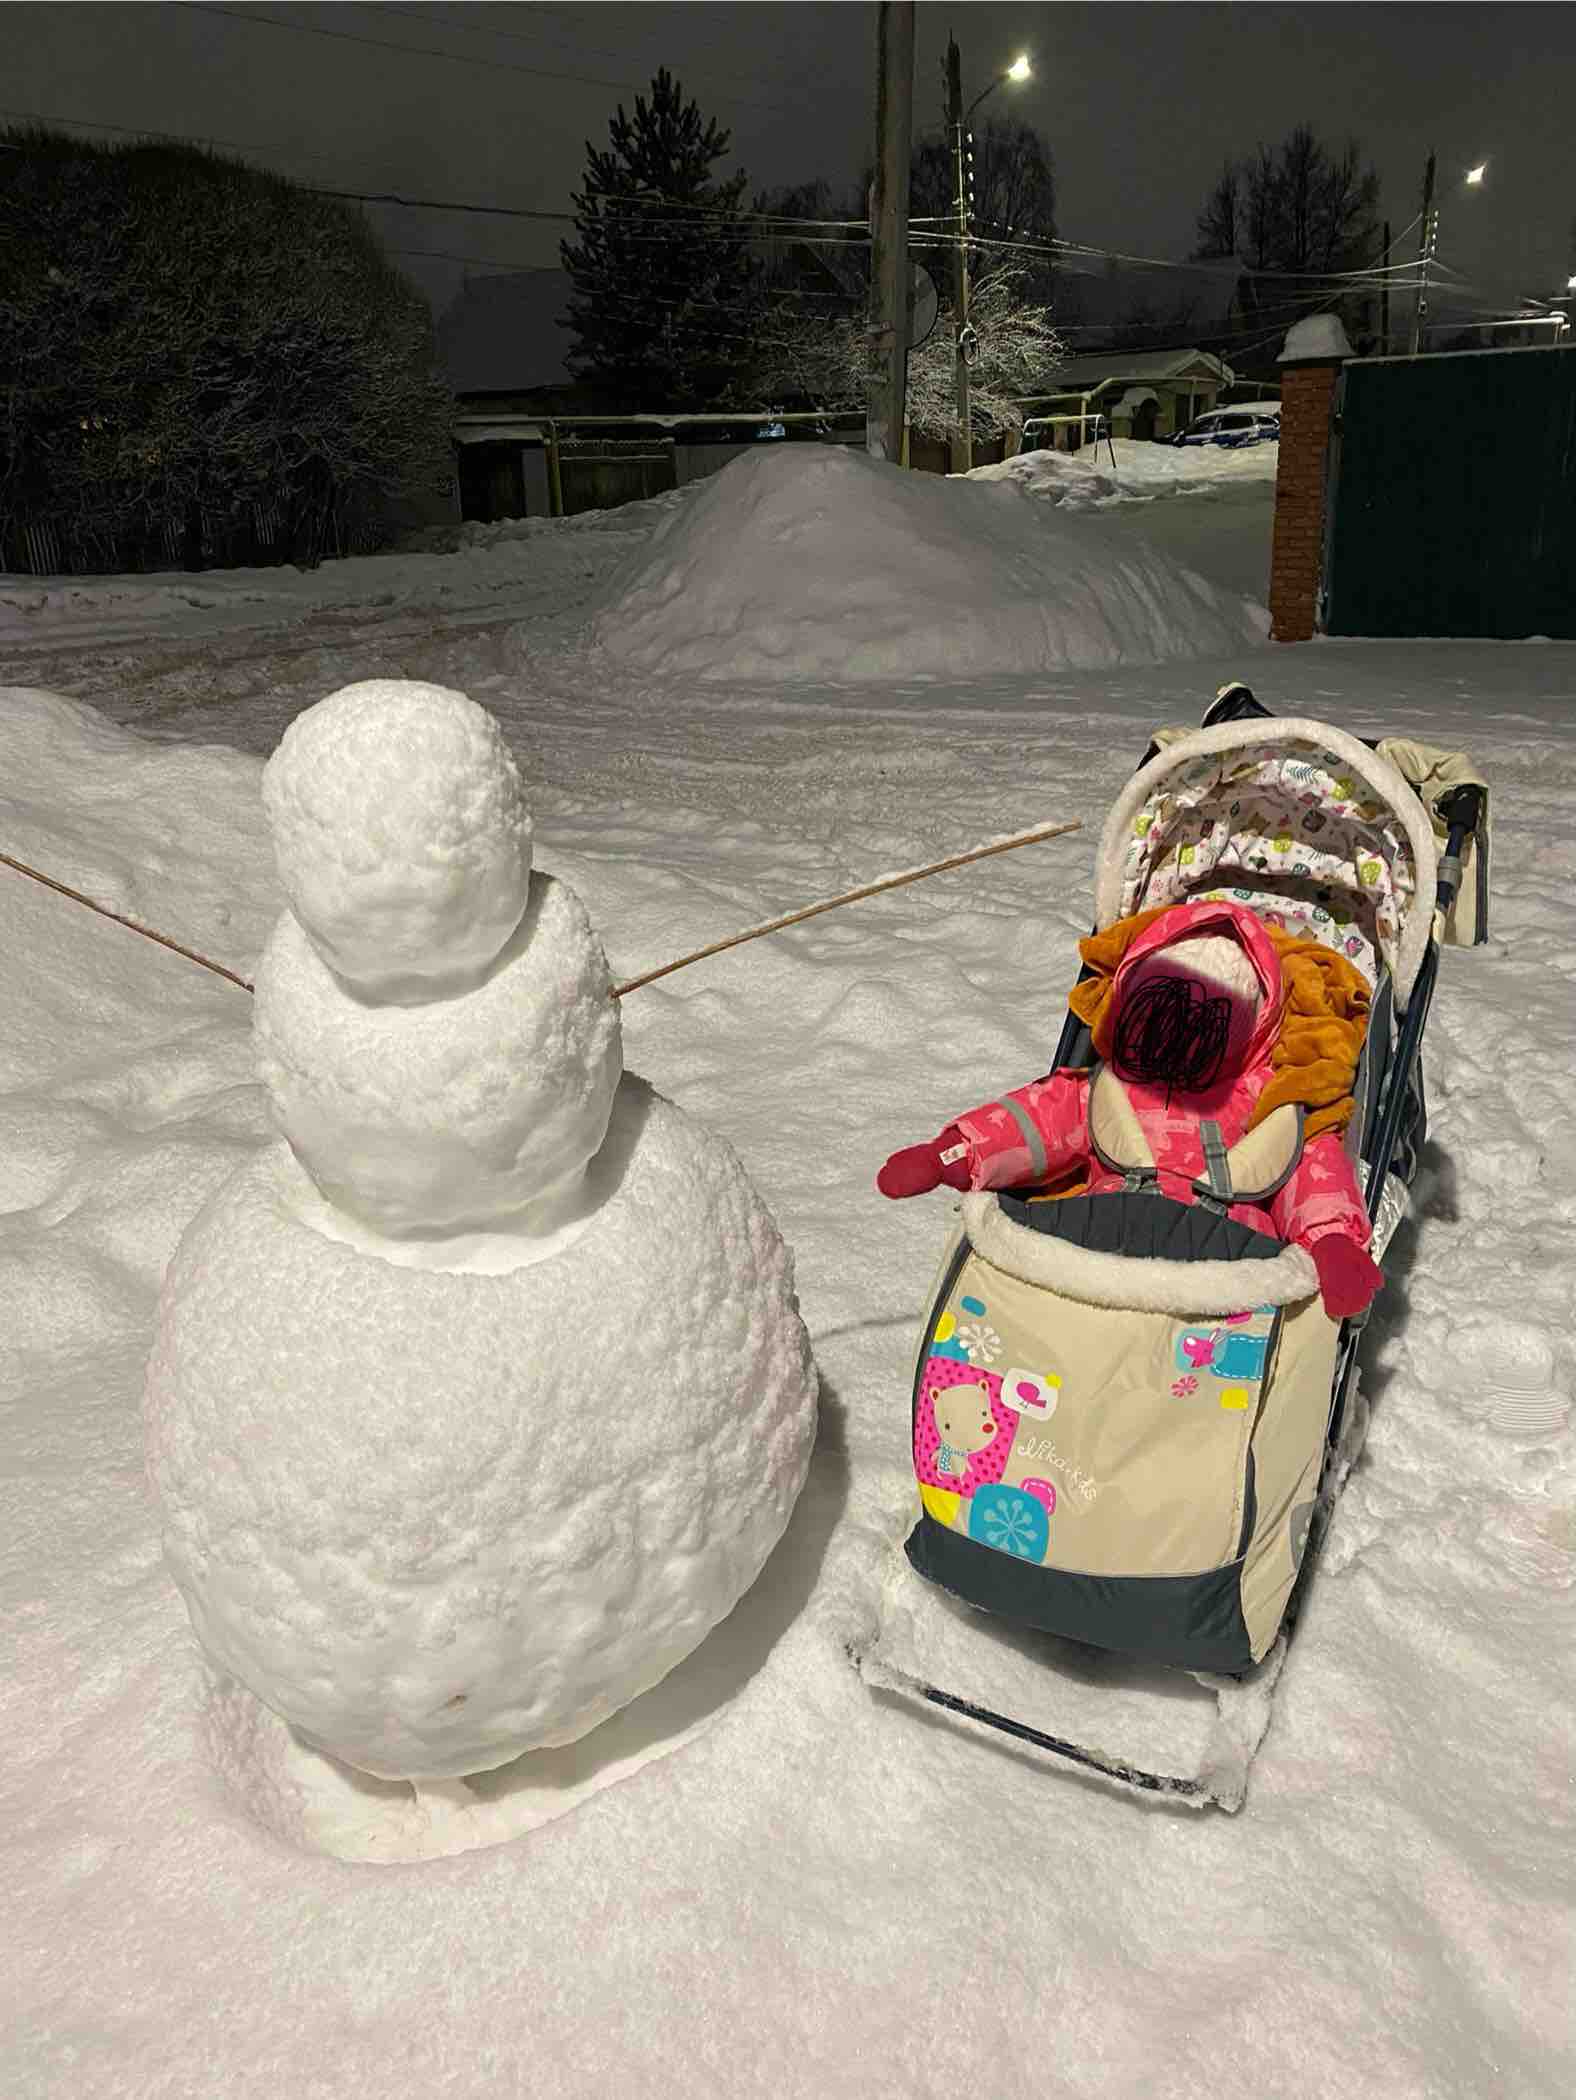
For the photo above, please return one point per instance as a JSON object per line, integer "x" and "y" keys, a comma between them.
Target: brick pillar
{"x": 1296, "y": 563}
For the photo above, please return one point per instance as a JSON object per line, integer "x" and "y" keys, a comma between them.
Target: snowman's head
{"x": 402, "y": 836}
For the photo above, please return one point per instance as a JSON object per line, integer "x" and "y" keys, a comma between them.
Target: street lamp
{"x": 1429, "y": 240}
{"x": 957, "y": 119}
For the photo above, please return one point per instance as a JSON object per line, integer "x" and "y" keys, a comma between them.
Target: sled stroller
{"x": 1131, "y": 1414}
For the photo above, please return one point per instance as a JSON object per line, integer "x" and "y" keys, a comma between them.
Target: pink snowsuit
{"x": 1320, "y": 1198}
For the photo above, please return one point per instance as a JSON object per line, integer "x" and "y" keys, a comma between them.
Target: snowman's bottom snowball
{"x": 436, "y": 1520}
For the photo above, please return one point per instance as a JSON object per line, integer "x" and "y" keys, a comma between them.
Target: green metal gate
{"x": 1453, "y": 505}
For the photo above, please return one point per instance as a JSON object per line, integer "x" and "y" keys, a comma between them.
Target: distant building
{"x": 1141, "y": 393}
{"x": 521, "y": 413}
{"x": 505, "y": 354}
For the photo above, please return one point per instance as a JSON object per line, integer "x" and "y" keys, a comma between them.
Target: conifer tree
{"x": 664, "y": 282}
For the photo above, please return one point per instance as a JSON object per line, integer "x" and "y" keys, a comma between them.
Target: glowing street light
{"x": 1020, "y": 69}
{"x": 1476, "y": 174}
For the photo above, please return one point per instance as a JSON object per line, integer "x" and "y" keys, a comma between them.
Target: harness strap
{"x": 1250, "y": 1171}
{"x": 1214, "y": 1186}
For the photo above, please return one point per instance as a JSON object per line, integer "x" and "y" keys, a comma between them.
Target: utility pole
{"x": 1384, "y": 295}
{"x": 963, "y": 170}
{"x": 1425, "y": 254}
{"x": 963, "y": 450}
{"x": 887, "y": 396}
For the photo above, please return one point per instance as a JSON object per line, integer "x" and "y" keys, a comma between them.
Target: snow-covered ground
{"x": 819, "y": 1893}
{"x": 1221, "y": 527}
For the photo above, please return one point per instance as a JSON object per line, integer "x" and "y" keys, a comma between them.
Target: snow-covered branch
{"x": 831, "y": 361}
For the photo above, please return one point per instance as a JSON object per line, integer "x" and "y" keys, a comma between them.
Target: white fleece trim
{"x": 1386, "y": 780}
{"x": 1133, "y": 1283}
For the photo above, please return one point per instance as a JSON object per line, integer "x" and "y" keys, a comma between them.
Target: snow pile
{"x": 1319, "y": 335}
{"x": 1089, "y": 480}
{"x": 816, "y": 561}
{"x": 153, "y": 834}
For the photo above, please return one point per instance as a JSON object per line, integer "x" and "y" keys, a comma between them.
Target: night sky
{"x": 1139, "y": 103}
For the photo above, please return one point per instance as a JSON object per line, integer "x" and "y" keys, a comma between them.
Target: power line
{"x": 853, "y": 231}
{"x": 940, "y": 227}
{"x": 144, "y": 131}
{"x": 693, "y": 214}
{"x": 455, "y": 58}
{"x": 515, "y": 36}
{"x": 700, "y": 219}
{"x": 775, "y": 294}
{"x": 1057, "y": 247}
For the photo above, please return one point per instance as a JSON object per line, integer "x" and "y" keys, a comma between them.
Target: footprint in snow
{"x": 1504, "y": 1371}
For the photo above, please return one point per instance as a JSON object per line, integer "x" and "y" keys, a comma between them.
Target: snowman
{"x": 478, "y": 1399}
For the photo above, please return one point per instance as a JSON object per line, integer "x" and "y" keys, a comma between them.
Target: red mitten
{"x": 1348, "y": 1280}
{"x": 918, "y": 1168}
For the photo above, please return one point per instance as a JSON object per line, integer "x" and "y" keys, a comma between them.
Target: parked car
{"x": 1251, "y": 423}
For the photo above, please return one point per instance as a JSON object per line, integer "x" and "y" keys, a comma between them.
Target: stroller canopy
{"x": 1298, "y": 820}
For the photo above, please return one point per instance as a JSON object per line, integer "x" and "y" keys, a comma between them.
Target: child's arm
{"x": 1321, "y": 1208}
{"x": 1030, "y": 1135}
{"x": 1322, "y": 1196}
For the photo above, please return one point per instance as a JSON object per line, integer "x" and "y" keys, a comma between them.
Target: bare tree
{"x": 1293, "y": 215}
{"x": 1014, "y": 200}
{"x": 1220, "y": 222}
{"x": 813, "y": 242}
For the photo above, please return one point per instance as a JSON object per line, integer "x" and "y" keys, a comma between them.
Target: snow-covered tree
{"x": 827, "y": 360}
{"x": 662, "y": 270}
{"x": 188, "y": 344}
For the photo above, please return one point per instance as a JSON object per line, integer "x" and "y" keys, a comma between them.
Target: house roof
{"x": 502, "y": 333}
{"x": 1141, "y": 367}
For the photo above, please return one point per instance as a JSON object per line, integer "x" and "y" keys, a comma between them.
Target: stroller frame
{"x": 1394, "y": 1127}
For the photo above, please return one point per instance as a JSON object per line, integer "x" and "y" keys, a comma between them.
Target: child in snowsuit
{"x": 1207, "y": 1034}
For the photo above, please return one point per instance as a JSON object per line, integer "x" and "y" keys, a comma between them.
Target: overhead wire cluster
{"x": 458, "y": 58}
{"x": 662, "y": 216}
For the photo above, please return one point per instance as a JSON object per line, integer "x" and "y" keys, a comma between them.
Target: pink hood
{"x": 1188, "y": 922}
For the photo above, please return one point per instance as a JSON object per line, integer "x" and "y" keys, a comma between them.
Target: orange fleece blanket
{"x": 1323, "y": 1021}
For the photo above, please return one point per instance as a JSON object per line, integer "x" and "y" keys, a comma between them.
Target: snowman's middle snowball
{"x": 454, "y": 1115}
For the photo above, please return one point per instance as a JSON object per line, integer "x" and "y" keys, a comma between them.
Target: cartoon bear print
{"x": 964, "y": 1423}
